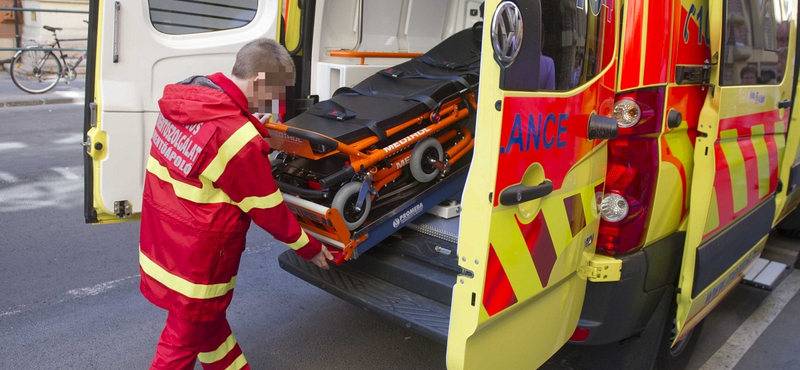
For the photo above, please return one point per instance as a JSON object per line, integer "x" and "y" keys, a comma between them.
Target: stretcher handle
{"x": 371, "y": 54}
{"x": 346, "y": 173}
{"x": 328, "y": 143}
{"x": 338, "y": 255}
{"x": 522, "y": 193}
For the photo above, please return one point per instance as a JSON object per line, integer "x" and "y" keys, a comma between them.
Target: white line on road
{"x": 99, "y": 288}
{"x": 740, "y": 341}
{"x": 13, "y": 311}
{"x": 66, "y": 173}
{"x": 71, "y": 139}
{"x": 7, "y": 177}
{"x": 12, "y": 145}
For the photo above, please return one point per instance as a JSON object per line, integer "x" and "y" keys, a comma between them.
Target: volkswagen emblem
{"x": 507, "y": 32}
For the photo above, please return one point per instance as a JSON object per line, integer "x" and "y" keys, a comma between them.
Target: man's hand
{"x": 263, "y": 117}
{"x": 321, "y": 259}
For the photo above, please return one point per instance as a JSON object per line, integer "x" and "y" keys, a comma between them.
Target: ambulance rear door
{"x": 136, "y": 48}
{"x": 739, "y": 149}
{"x": 530, "y": 220}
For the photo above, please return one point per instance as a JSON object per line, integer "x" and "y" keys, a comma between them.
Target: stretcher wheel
{"x": 345, "y": 202}
{"x": 421, "y": 167}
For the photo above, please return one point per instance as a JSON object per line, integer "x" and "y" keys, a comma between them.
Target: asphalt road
{"x": 70, "y": 299}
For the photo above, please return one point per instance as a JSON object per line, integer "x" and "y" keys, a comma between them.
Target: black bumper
{"x": 618, "y": 310}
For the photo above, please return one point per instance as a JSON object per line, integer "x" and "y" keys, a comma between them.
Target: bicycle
{"x": 38, "y": 71}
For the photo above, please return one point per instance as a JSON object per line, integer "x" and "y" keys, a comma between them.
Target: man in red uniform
{"x": 207, "y": 177}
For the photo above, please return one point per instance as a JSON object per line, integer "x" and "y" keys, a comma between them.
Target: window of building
{"x": 755, "y": 42}
{"x": 180, "y": 17}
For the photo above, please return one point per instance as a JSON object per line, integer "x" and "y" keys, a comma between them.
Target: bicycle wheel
{"x": 35, "y": 71}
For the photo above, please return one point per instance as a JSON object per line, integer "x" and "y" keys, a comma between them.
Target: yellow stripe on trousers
{"x": 219, "y": 353}
{"x": 181, "y": 285}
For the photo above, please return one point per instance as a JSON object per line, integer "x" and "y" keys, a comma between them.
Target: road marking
{"x": 7, "y": 177}
{"x": 13, "y": 311}
{"x": 66, "y": 173}
{"x": 98, "y": 288}
{"x": 12, "y": 145}
{"x": 71, "y": 139}
{"x": 740, "y": 341}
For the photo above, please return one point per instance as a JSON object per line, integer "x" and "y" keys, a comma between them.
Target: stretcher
{"x": 402, "y": 129}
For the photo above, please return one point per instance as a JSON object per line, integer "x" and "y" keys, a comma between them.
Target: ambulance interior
{"x": 395, "y": 29}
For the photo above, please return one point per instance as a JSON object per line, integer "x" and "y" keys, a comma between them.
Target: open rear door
{"x": 738, "y": 152}
{"x": 137, "y": 48}
{"x": 530, "y": 216}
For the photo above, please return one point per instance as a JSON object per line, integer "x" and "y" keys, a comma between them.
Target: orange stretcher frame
{"x": 327, "y": 223}
{"x": 360, "y": 157}
{"x": 371, "y": 54}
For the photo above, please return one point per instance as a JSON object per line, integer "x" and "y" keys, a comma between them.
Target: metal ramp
{"x": 765, "y": 274}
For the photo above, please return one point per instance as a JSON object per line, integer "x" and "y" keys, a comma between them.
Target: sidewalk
{"x": 11, "y": 96}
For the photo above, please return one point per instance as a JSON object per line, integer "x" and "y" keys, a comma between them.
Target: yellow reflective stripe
{"x": 729, "y": 143}
{"x": 759, "y": 142}
{"x": 181, "y": 285}
{"x": 301, "y": 241}
{"x": 265, "y": 202}
{"x": 206, "y": 194}
{"x": 230, "y": 148}
{"x": 219, "y": 353}
{"x": 238, "y": 363}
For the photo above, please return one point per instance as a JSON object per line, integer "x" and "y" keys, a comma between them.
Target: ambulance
{"x": 630, "y": 158}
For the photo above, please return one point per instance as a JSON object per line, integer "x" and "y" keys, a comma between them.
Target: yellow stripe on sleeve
{"x": 181, "y": 285}
{"x": 301, "y": 241}
{"x": 219, "y": 353}
{"x": 265, "y": 202}
{"x": 228, "y": 150}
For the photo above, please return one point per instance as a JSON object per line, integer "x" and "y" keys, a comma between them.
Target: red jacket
{"x": 207, "y": 176}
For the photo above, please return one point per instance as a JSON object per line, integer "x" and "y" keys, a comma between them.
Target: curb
{"x": 26, "y": 103}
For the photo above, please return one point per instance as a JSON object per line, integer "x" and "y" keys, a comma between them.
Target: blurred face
{"x": 749, "y": 78}
{"x": 266, "y": 87}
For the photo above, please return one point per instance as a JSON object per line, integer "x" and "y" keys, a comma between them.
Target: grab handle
{"x": 784, "y": 104}
{"x": 522, "y": 193}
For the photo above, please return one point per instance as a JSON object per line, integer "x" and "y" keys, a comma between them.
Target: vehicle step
{"x": 401, "y": 306}
{"x": 765, "y": 274}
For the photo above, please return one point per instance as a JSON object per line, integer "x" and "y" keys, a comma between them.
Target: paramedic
{"x": 207, "y": 177}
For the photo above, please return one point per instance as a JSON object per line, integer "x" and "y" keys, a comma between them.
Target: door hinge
{"x": 693, "y": 74}
{"x": 602, "y": 269}
{"x": 123, "y": 208}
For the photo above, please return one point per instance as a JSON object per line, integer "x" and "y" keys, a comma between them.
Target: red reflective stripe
{"x": 772, "y": 149}
{"x": 747, "y": 121}
{"x": 497, "y": 291}
{"x": 540, "y": 246}
{"x": 657, "y": 54}
{"x": 631, "y": 63}
{"x": 750, "y": 167}
{"x": 723, "y": 187}
{"x": 574, "y": 207}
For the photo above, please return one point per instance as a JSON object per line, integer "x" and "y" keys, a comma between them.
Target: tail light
{"x": 632, "y": 169}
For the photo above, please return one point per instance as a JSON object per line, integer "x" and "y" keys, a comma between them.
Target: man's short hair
{"x": 748, "y": 70}
{"x": 264, "y": 55}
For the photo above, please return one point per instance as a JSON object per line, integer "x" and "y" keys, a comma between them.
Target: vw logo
{"x": 507, "y": 32}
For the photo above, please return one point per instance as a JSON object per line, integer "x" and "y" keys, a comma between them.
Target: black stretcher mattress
{"x": 398, "y": 94}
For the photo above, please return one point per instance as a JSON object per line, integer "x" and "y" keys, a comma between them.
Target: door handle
{"x": 115, "y": 46}
{"x": 601, "y": 127}
{"x": 522, "y": 193}
{"x": 784, "y": 104}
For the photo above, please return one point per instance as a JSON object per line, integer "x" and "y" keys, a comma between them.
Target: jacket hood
{"x": 196, "y": 99}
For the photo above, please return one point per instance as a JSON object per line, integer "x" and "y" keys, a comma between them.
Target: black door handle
{"x": 521, "y": 193}
{"x": 601, "y": 127}
{"x": 783, "y": 104}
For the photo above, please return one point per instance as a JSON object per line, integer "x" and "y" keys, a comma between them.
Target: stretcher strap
{"x": 331, "y": 110}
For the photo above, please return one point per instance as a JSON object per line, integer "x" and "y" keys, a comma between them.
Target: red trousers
{"x": 184, "y": 341}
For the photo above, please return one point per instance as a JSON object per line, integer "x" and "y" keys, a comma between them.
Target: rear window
{"x": 755, "y": 42}
{"x": 180, "y": 17}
